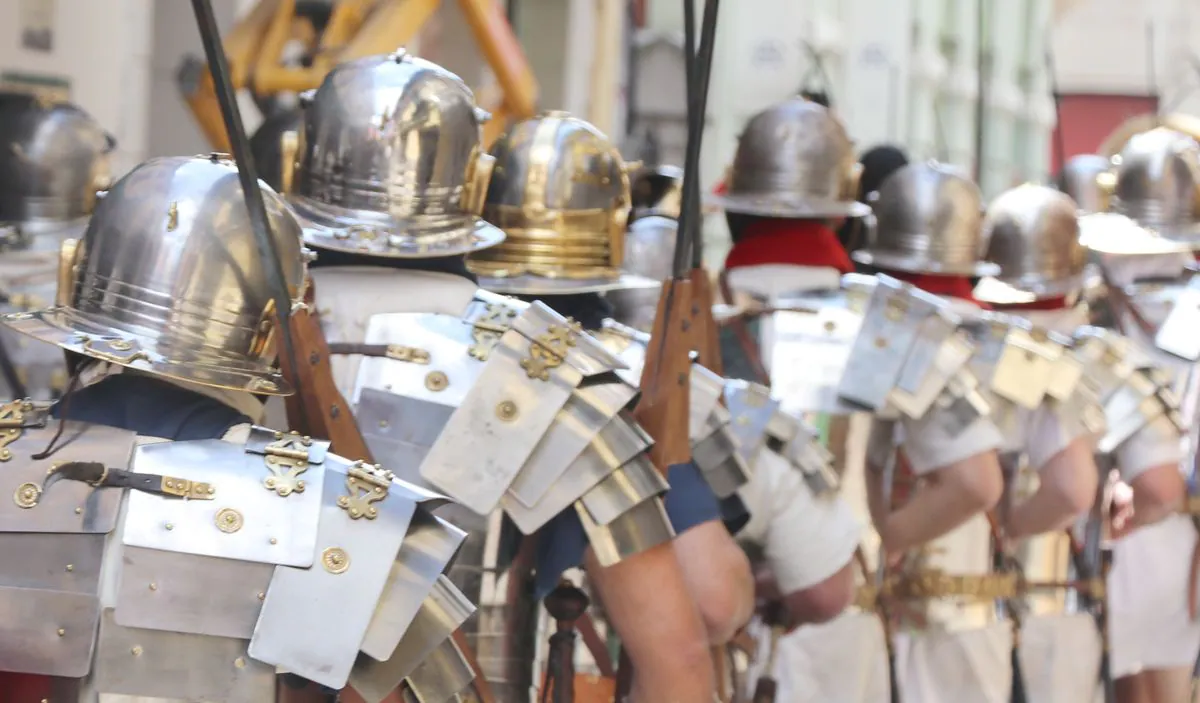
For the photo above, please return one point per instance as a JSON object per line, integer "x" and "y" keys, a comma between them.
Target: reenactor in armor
{"x": 150, "y": 519}
{"x": 1143, "y": 232}
{"x": 50, "y": 173}
{"x": 498, "y": 403}
{"x": 832, "y": 352}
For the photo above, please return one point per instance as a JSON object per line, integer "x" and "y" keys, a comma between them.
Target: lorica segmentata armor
{"x": 390, "y": 162}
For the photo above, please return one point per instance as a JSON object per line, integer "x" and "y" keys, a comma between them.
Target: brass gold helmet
{"x": 1033, "y": 235}
{"x": 390, "y": 162}
{"x": 168, "y": 279}
{"x": 55, "y": 161}
{"x": 794, "y": 160}
{"x": 928, "y": 219}
{"x": 560, "y": 191}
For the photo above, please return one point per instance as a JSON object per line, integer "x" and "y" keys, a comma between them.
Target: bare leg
{"x": 1169, "y": 685}
{"x": 1133, "y": 689}
{"x": 647, "y": 601}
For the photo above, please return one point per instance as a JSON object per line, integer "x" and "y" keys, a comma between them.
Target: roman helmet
{"x": 55, "y": 162}
{"x": 928, "y": 219}
{"x": 168, "y": 279}
{"x": 561, "y": 193}
{"x": 794, "y": 160}
{"x": 1033, "y": 235}
{"x": 390, "y": 162}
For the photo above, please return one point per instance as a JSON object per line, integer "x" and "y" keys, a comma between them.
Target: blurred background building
{"x": 910, "y": 72}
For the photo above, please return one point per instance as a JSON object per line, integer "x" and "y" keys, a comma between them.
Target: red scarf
{"x": 796, "y": 242}
{"x": 952, "y": 286}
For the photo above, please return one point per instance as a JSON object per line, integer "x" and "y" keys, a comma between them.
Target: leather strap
{"x": 99, "y": 475}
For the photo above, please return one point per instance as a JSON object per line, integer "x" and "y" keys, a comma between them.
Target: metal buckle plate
{"x": 1177, "y": 334}
{"x": 68, "y": 506}
{"x": 428, "y": 548}
{"x": 314, "y": 620}
{"x": 175, "y": 665}
{"x": 891, "y": 323}
{"x": 199, "y": 595}
{"x": 442, "y": 612}
{"x": 618, "y": 442}
{"x": 247, "y": 520}
{"x": 507, "y": 412}
{"x": 48, "y": 632}
{"x": 808, "y": 358}
{"x": 586, "y": 412}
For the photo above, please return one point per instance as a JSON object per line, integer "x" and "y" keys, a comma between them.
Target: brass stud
{"x": 507, "y": 411}
{"x": 153, "y": 586}
{"x": 436, "y": 381}
{"x": 136, "y": 650}
{"x": 79, "y": 511}
{"x": 273, "y": 541}
{"x": 70, "y": 567}
{"x": 228, "y": 520}
{"x": 830, "y": 326}
{"x": 383, "y": 424}
{"x": 278, "y": 435}
{"x": 120, "y": 345}
{"x": 881, "y": 342}
{"x": 26, "y": 495}
{"x": 335, "y": 560}
{"x": 262, "y": 596}
{"x": 168, "y": 527}
{"x": 240, "y": 662}
{"x": 61, "y": 632}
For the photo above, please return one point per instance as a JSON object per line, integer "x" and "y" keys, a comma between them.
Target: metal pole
{"x": 981, "y": 71}
{"x": 210, "y": 36}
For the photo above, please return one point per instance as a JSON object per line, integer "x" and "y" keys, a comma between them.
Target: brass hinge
{"x": 183, "y": 488}
{"x": 16, "y": 417}
{"x": 487, "y": 330}
{"x": 549, "y": 350}
{"x": 365, "y": 484}
{"x": 286, "y": 458}
{"x": 414, "y": 355}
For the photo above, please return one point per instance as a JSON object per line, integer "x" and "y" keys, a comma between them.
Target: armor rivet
{"x": 436, "y": 381}
{"x": 262, "y": 596}
{"x": 26, "y": 495}
{"x": 136, "y": 650}
{"x": 229, "y": 520}
{"x": 278, "y": 435}
{"x": 240, "y": 662}
{"x": 61, "y": 632}
{"x": 830, "y": 326}
{"x": 306, "y": 440}
{"x": 881, "y": 342}
{"x": 506, "y": 411}
{"x": 153, "y": 586}
{"x": 335, "y": 560}
{"x": 79, "y": 511}
{"x": 169, "y": 526}
{"x": 273, "y": 541}
{"x": 70, "y": 567}
{"x": 383, "y": 423}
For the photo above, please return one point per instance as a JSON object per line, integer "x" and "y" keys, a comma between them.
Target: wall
{"x": 102, "y": 49}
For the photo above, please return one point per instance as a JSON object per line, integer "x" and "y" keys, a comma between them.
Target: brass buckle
{"x": 286, "y": 458}
{"x": 183, "y": 488}
{"x": 414, "y": 355}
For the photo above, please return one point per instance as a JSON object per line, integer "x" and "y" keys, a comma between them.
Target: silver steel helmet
{"x": 657, "y": 191}
{"x": 794, "y": 160}
{"x": 168, "y": 279}
{"x": 55, "y": 161}
{"x": 1033, "y": 235}
{"x": 649, "y": 253}
{"x": 1088, "y": 180}
{"x": 390, "y": 162}
{"x": 928, "y": 219}
{"x": 1158, "y": 183}
{"x": 561, "y": 194}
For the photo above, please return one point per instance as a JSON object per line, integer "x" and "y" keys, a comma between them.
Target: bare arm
{"x": 1158, "y": 493}
{"x": 718, "y": 576}
{"x": 647, "y": 601}
{"x": 1066, "y": 490}
{"x": 949, "y": 497}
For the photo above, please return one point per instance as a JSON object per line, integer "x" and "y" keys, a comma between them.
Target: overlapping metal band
{"x": 391, "y": 162}
{"x": 794, "y": 160}
{"x": 928, "y": 220}
{"x": 1033, "y": 235}
{"x": 560, "y": 191}
{"x": 168, "y": 280}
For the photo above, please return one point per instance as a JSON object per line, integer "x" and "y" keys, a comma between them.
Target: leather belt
{"x": 101, "y": 476}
